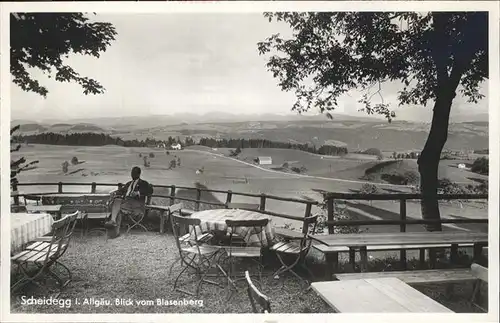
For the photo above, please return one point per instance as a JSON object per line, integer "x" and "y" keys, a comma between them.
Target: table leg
{"x": 162, "y": 221}
{"x": 364, "y": 259}
{"x": 331, "y": 264}
{"x": 477, "y": 252}
{"x": 454, "y": 253}
{"x": 352, "y": 259}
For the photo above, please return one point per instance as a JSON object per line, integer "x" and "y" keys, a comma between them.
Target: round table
{"x": 215, "y": 220}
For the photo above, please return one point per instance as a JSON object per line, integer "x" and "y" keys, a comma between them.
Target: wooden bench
{"x": 332, "y": 245}
{"x": 382, "y": 295}
{"x": 91, "y": 205}
{"x": 331, "y": 252}
{"x": 416, "y": 276}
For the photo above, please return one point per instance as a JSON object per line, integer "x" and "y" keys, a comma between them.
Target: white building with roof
{"x": 264, "y": 160}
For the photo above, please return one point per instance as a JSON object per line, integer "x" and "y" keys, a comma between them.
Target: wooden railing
{"x": 403, "y": 221}
{"x": 263, "y": 198}
{"x": 172, "y": 196}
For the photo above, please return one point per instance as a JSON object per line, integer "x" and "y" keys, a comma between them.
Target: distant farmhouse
{"x": 265, "y": 160}
{"x": 176, "y": 147}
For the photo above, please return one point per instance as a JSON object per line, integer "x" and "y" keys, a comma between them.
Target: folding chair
{"x": 246, "y": 228}
{"x": 194, "y": 255}
{"x": 255, "y": 295}
{"x": 481, "y": 274}
{"x": 237, "y": 240}
{"x": 44, "y": 254}
{"x": 185, "y": 239}
{"x": 297, "y": 248}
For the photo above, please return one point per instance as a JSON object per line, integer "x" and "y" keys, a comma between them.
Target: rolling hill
{"x": 355, "y": 133}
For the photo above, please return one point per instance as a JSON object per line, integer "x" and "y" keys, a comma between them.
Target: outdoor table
{"x": 404, "y": 240}
{"x": 215, "y": 220}
{"x": 25, "y": 227}
{"x": 383, "y": 295}
{"x": 51, "y": 209}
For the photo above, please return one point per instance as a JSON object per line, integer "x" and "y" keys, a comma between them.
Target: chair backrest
{"x": 479, "y": 272}
{"x": 174, "y": 208}
{"x": 308, "y": 222}
{"x": 252, "y": 227}
{"x": 243, "y": 206}
{"x": 62, "y": 230}
{"x": 256, "y": 296}
{"x": 30, "y": 197}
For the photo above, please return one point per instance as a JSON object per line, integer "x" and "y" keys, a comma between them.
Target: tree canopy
{"x": 431, "y": 54}
{"x": 332, "y": 53}
{"x": 44, "y": 40}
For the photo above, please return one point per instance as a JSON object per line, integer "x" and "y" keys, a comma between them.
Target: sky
{"x": 164, "y": 64}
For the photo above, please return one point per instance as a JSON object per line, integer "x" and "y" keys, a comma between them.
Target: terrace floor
{"x": 135, "y": 266}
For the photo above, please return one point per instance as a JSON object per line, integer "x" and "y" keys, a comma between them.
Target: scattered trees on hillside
{"x": 432, "y": 54}
{"x": 481, "y": 166}
{"x": 235, "y": 152}
{"x": 65, "y": 166}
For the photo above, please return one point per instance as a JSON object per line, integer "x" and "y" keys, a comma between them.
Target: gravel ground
{"x": 135, "y": 267}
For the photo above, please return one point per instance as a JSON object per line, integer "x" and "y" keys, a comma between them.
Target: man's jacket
{"x": 142, "y": 187}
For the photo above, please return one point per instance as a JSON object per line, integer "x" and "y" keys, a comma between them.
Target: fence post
{"x": 308, "y": 210}
{"x": 402, "y": 214}
{"x": 16, "y": 197}
{"x": 329, "y": 207}
{"x": 93, "y": 187}
{"x": 59, "y": 187}
{"x": 198, "y": 198}
{"x": 172, "y": 195}
{"x": 263, "y": 202}
{"x": 229, "y": 197}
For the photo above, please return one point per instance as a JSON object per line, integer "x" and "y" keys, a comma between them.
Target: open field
{"x": 350, "y": 167}
{"x": 112, "y": 164}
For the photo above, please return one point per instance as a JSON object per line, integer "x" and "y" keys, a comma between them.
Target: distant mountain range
{"x": 189, "y": 118}
{"x": 353, "y": 132}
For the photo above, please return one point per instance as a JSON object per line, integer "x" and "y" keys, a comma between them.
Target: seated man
{"x": 129, "y": 200}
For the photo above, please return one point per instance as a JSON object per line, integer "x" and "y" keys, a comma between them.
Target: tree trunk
{"x": 428, "y": 161}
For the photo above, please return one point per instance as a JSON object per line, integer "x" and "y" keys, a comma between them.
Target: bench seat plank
{"x": 415, "y": 276}
{"x": 329, "y": 249}
{"x": 385, "y": 295}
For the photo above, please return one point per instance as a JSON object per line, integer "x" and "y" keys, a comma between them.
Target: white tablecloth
{"x": 25, "y": 227}
{"x": 215, "y": 220}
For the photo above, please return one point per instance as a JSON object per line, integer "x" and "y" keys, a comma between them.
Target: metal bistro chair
{"x": 194, "y": 255}
{"x": 187, "y": 238}
{"x": 238, "y": 240}
{"x": 246, "y": 228}
{"x": 256, "y": 296}
{"x": 296, "y": 247}
{"x": 45, "y": 254}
